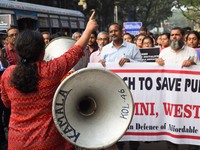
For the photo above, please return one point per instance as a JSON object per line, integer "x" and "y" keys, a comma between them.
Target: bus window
{"x": 43, "y": 23}
{"x": 81, "y": 23}
{"x": 54, "y": 21}
{"x": 64, "y": 22}
{"x": 26, "y": 20}
{"x": 73, "y": 23}
{"x": 27, "y": 23}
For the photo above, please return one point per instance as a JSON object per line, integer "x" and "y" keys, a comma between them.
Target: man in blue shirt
{"x": 119, "y": 50}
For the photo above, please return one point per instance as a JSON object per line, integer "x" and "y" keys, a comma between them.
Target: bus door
{"x": 26, "y": 20}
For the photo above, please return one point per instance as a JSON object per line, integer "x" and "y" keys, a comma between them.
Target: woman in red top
{"x": 28, "y": 89}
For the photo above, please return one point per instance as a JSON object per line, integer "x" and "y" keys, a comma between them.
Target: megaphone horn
{"x": 92, "y": 108}
{"x": 59, "y": 46}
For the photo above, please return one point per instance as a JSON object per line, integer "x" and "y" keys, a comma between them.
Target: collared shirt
{"x": 95, "y": 57}
{"x": 88, "y": 50}
{"x": 11, "y": 55}
{"x": 127, "y": 50}
{"x": 185, "y": 53}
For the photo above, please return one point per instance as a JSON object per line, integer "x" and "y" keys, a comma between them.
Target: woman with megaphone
{"x": 28, "y": 89}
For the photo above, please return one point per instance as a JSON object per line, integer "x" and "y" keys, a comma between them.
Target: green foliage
{"x": 149, "y": 12}
{"x": 179, "y": 20}
{"x": 190, "y": 9}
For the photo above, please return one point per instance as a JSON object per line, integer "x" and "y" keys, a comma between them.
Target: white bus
{"x": 40, "y": 17}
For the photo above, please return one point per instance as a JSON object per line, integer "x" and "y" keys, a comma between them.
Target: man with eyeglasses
{"x": 102, "y": 40}
{"x": 11, "y": 54}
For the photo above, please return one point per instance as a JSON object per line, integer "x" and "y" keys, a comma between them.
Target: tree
{"x": 150, "y": 13}
{"x": 179, "y": 20}
{"x": 190, "y": 9}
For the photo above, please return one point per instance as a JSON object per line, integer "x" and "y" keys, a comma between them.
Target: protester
{"x": 102, "y": 40}
{"x": 147, "y": 42}
{"x": 92, "y": 45}
{"x": 47, "y": 37}
{"x": 186, "y": 30}
{"x": 128, "y": 37}
{"x": 139, "y": 39}
{"x": 11, "y": 54}
{"x": 143, "y": 30}
{"x": 76, "y": 35}
{"x": 178, "y": 53}
{"x": 185, "y": 35}
{"x": 193, "y": 39}
{"x": 119, "y": 50}
{"x": 165, "y": 40}
{"x": 158, "y": 40}
{"x": 34, "y": 82}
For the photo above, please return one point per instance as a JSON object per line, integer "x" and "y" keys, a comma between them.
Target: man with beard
{"x": 177, "y": 52}
{"x": 119, "y": 50}
{"x": 102, "y": 40}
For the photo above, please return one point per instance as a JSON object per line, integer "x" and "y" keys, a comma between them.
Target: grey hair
{"x": 103, "y": 32}
{"x": 74, "y": 34}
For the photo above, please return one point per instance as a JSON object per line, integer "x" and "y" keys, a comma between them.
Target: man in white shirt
{"x": 102, "y": 40}
{"x": 119, "y": 50}
{"x": 177, "y": 52}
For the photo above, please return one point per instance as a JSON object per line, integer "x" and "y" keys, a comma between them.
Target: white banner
{"x": 166, "y": 101}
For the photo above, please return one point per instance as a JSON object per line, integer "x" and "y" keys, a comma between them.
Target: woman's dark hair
{"x": 131, "y": 35}
{"x": 195, "y": 33}
{"x": 150, "y": 38}
{"x": 29, "y": 46}
{"x": 167, "y": 35}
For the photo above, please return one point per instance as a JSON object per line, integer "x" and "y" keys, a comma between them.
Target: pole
{"x": 116, "y": 13}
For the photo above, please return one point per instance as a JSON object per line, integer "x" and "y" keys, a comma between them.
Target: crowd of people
{"x": 28, "y": 83}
